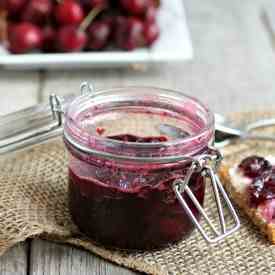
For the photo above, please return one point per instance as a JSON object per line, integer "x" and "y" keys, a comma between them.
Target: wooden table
{"x": 233, "y": 70}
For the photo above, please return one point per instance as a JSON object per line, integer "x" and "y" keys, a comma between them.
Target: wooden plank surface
{"x": 15, "y": 261}
{"x": 233, "y": 70}
{"x": 18, "y": 90}
{"x": 51, "y": 259}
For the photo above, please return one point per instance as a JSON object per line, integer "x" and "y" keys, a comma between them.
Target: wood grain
{"x": 14, "y": 262}
{"x": 51, "y": 259}
{"x": 18, "y": 90}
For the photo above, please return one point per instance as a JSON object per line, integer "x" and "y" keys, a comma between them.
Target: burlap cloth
{"x": 33, "y": 203}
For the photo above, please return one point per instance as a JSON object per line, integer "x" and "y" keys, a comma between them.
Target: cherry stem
{"x": 89, "y": 18}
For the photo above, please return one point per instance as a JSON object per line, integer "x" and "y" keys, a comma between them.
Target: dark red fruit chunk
{"x": 13, "y": 6}
{"x": 135, "y": 7}
{"x": 129, "y": 33}
{"x": 71, "y": 39}
{"x": 37, "y": 11}
{"x": 254, "y": 166}
{"x": 262, "y": 189}
{"x": 99, "y": 33}
{"x": 49, "y": 37}
{"x": 69, "y": 12}
{"x": 24, "y": 38}
{"x": 133, "y": 138}
{"x": 151, "y": 33}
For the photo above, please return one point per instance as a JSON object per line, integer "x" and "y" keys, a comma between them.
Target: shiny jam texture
{"x": 133, "y": 138}
{"x": 129, "y": 206}
{"x": 261, "y": 190}
{"x": 255, "y": 166}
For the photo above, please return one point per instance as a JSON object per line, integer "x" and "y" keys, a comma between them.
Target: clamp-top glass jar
{"x": 136, "y": 156}
{"x": 138, "y": 160}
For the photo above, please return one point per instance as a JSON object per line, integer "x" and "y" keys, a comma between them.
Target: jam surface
{"x": 255, "y": 166}
{"x": 130, "y": 206}
{"x": 133, "y": 138}
{"x": 261, "y": 190}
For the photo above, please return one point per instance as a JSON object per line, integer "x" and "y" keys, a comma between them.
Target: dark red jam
{"x": 255, "y": 166}
{"x": 261, "y": 190}
{"x": 133, "y": 138}
{"x": 130, "y": 206}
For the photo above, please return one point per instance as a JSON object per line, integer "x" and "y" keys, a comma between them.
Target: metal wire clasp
{"x": 57, "y": 107}
{"x": 207, "y": 165}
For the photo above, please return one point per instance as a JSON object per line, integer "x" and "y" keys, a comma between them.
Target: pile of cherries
{"x": 80, "y": 25}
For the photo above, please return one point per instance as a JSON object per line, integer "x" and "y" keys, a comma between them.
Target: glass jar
{"x": 128, "y": 148}
{"x": 138, "y": 162}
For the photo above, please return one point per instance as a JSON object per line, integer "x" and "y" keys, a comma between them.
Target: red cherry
{"x": 14, "y": 6}
{"x": 99, "y": 33}
{"x": 71, "y": 39}
{"x": 69, "y": 12}
{"x": 49, "y": 36}
{"x": 98, "y": 3}
{"x": 11, "y": 25}
{"x": 129, "y": 33}
{"x": 151, "y": 33}
{"x": 24, "y": 37}
{"x": 135, "y": 7}
{"x": 37, "y": 11}
{"x": 151, "y": 14}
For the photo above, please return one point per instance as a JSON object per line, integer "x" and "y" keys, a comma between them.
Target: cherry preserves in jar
{"x": 138, "y": 160}
{"x": 126, "y": 149}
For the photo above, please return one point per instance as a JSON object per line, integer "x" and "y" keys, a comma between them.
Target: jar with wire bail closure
{"x": 138, "y": 160}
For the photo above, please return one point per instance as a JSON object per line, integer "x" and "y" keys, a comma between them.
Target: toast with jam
{"x": 251, "y": 184}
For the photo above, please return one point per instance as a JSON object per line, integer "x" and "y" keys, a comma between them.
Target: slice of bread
{"x": 235, "y": 153}
{"x": 235, "y": 186}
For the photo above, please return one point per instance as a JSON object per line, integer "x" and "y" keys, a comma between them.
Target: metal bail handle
{"x": 201, "y": 165}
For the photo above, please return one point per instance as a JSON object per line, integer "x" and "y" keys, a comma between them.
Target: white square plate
{"x": 174, "y": 44}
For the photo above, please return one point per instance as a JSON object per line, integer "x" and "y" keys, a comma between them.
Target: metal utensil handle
{"x": 36, "y": 124}
{"x": 258, "y": 137}
{"x": 202, "y": 165}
